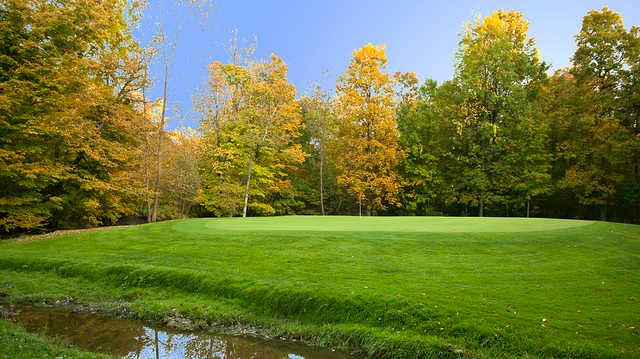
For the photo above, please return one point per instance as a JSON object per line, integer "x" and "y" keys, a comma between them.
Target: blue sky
{"x": 316, "y": 38}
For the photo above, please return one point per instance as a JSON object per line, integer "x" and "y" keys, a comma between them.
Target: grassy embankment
{"x": 388, "y": 287}
{"x": 16, "y": 343}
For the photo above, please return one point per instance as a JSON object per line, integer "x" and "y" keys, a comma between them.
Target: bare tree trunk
{"x": 146, "y": 157}
{"x": 528, "y": 205}
{"x": 321, "y": 183}
{"x": 147, "y": 176}
{"x": 148, "y": 188}
{"x": 636, "y": 171}
{"x": 216, "y": 120}
{"x": 359, "y": 204}
{"x": 246, "y": 188}
{"x": 156, "y": 195}
{"x": 182, "y": 208}
{"x": 481, "y": 210}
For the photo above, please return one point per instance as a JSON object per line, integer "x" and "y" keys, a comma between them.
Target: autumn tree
{"x": 498, "y": 75}
{"x": 630, "y": 111}
{"x": 165, "y": 41}
{"x": 68, "y": 125}
{"x": 146, "y": 168}
{"x": 366, "y": 143}
{"x": 316, "y": 113}
{"x": 255, "y": 137}
{"x": 181, "y": 188}
{"x": 220, "y": 170}
{"x": 600, "y": 148}
{"x": 166, "y": 49}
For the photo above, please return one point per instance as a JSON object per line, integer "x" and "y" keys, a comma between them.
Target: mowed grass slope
{"x": 389, "y": 286}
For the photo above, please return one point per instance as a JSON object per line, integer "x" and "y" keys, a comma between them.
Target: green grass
{"x": 387, "y": 287}
{"x": 16, "y": 343}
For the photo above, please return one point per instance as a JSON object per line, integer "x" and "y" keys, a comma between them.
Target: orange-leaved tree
{"x": 366, "y": 140}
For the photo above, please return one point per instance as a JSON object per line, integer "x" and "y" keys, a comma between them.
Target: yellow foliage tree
{"x": 366, "y": 141}
{"x": 251, "y": 121}
{"x": 68, "y": 128}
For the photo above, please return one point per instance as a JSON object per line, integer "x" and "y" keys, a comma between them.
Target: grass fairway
{"x": 385, "y": 286}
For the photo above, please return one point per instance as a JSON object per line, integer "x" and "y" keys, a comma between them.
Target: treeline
{"x": 81, "y": 144}
{"x": 502, "y": 138}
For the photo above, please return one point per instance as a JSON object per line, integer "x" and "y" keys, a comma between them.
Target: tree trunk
{"x": 636, "y": 171}
{"x": 321, "y": 183}
{"x": 603, "y": 211}
{"x": 147, "y": 150}
{"x": 147, "y": 187}
{"x": 246, "y": 188}
{"x": 216, "y": 120}
{"x": 156, "y": 195}
{"x": 481, "y": 209}
{"x": 156, "y": 343}
{"x": 528, "y": 206}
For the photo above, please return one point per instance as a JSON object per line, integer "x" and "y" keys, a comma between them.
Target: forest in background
{"x": 82, "y": 145}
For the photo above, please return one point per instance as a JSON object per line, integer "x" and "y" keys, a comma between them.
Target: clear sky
{"x": 316, "y": 38}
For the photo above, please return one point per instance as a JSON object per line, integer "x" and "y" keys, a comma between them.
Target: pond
{"x": 132, "y": 339}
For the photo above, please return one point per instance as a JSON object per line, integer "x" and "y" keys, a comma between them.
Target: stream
{"x": 125, "y": 338}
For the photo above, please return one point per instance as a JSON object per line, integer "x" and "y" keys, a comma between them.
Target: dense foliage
{"x": 76, "y": 136}
{"x": 81, "y": 145}
{"x": 68, "y": 130}
{"x": 501, "y": 138}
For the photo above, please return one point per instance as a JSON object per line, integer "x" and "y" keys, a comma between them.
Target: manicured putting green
{"x": 392, "y": 224}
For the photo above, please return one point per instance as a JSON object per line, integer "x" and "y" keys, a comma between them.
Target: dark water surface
{"x": 131, "y": 339}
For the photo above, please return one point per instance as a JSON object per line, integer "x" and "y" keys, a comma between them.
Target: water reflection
{"x": 130, "y": 339}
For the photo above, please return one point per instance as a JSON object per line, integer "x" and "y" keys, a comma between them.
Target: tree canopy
{"x": 82, "y": 145}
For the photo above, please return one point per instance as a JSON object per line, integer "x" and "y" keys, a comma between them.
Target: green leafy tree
{"x": 498, "y": 75}
{"x": 423, "y": 135}
{"x": 317, "y": 117}
{"x": 599, "y": 148}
